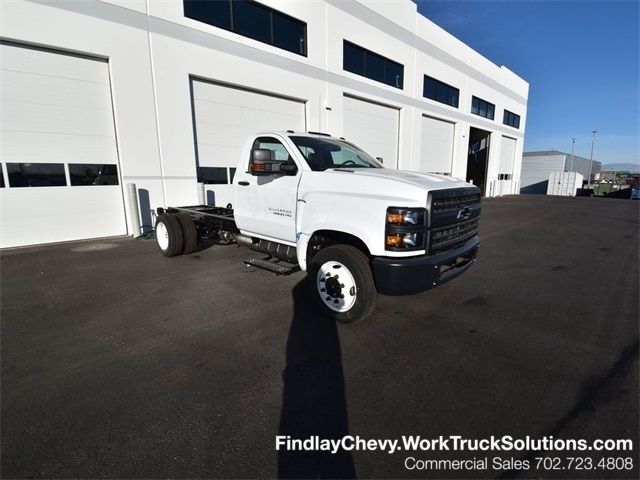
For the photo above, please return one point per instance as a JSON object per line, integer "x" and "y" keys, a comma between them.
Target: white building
{"x": 96, "y": 95}
{"x": 536, "y": 167}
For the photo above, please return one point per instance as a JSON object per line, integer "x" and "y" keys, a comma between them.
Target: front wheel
{"x": 341, "y": 282}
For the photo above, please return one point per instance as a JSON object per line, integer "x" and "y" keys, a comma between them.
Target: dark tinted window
{"x": 232, "y": 173}
{"x": 36, "y": 175}
{"x": 289, "y": 33}
{"x": 482, "y": 108}
{"x": 353, "y": 59}
{"x": 211, "y": 175}
{"x": 511, "y": 119}
{"x": 216, "y": 13}
{"x": 364, "y": 62}
{"x": 393, "y": 74}
{"x": 440, "y": 91}
{"x": 251, "y": 19}
{"x": 374, "y": 66}
{"x": 93, "y": 174}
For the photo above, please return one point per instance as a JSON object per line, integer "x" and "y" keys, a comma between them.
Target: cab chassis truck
{"x": 312, "y": 202}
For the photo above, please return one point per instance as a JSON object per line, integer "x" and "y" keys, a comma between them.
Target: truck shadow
{"x": 313, "y": 399}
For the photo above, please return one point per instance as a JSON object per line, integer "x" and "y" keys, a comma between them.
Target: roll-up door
{"x": 225, "y": 118}
{"x": 436, "y": 155}
{"x": 57, "y": 148}
{"x": 505, "y": 170}
{"x": 373, "y": 127}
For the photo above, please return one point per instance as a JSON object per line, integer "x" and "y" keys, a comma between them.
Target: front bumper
{"x": 403, "y": 276}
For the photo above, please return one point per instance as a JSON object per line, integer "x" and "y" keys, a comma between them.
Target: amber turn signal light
{"x": 394, "y": 240}
{"x": 396, "y": 218}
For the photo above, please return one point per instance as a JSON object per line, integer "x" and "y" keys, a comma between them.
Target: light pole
{"x": 573, "y": 146}
{"x": 593, "y": 142}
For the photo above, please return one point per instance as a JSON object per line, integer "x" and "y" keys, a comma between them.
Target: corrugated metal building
{"x": 536, "y": 167}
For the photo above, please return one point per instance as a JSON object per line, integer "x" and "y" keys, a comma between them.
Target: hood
{"x": 427, "y": 181}
{"x": 384, "y": 185}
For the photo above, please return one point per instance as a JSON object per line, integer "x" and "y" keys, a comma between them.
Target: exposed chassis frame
{"x": 211, "y": 222}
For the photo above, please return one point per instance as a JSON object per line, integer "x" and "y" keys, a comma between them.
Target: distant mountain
{"x": 621, "y": 167}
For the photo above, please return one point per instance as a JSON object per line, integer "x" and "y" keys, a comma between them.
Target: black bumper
{"x": 403, "y": 276}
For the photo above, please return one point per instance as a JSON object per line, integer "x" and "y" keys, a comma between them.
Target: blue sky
{"x": 581, "y": 59}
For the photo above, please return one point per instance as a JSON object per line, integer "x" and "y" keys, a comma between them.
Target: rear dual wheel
{"x": 176, "y": 234}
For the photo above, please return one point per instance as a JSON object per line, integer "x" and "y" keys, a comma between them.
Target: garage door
{"x": 505, "y": 170}
{"x": 436, "y": 155}
{"x": 58, "y": 149}
{"x": 225, "y": 117}
{"x": 373, "y": 127}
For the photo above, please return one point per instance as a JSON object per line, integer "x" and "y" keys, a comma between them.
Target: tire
{"x": 169, "y": 235}
{"x": 189, "y": 233}
{"x": 350, "y": 298}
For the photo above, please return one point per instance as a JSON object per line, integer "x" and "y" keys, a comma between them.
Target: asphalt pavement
{"x": 118, "y": 362}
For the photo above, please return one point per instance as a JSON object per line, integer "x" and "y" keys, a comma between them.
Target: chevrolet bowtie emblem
{"x": 464, "y": 213}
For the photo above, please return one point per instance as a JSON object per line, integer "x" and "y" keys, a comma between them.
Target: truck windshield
{"x": 325, "y": 153}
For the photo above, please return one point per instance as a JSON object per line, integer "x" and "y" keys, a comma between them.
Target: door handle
{"x": 243, "y": 183}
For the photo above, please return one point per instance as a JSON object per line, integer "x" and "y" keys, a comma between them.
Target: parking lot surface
{"x": 118, "y": 362}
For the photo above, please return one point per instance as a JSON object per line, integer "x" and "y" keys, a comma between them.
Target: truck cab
{"x": 325, "y": 206}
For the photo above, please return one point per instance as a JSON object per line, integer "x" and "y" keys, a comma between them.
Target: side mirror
{"x": 262, "y": 163}
{"x": 380, "y": 159}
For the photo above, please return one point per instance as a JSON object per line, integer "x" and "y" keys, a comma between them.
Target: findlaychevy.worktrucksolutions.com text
{"x": 505, "y": 443}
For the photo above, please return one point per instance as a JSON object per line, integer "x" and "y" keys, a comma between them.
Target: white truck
{"x": 320, "y": 204}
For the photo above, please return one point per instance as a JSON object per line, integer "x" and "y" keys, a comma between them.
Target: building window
{"x": 511, "y": 119}
{"x": 440, "y": 91}
{"x": 482, "y": 108}
{"x": 36, "y": 175}
{"x": 212, "y": 175}
{"x": 251, "y": 19}
{"x": 1, "y": 177}
{"x": 93, "y": 174}
{"x": 364, "y": 62}
{"x": 504, "y": 176}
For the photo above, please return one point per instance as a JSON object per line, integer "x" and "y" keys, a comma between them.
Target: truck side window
{"x": 278, "y": 150}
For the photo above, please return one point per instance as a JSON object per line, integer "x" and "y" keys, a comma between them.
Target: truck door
{"x": 266, "y": 205}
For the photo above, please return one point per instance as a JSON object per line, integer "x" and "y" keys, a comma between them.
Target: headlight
{"x": 405, "y": 228}
{"x": 405, "y": 216}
